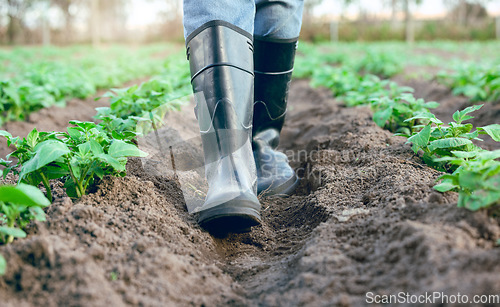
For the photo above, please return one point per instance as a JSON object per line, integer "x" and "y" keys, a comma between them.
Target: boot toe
{"x": 237, "y": 216}
{"x": 277, "y": 186}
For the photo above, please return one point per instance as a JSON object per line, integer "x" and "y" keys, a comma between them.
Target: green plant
{"x": 80, "y": 156}
{"x": 447, "y": 148}
{"x": 372, "y": 88}
{"x": 18, "y": 206}
{"x": 436, "y": 140}
{"x": 477, "y": 178}
{"x": 474, "y": 81}
{"x": 28, "y": 149}
{"x": 117, "y": 127}
{"x": 93, "y": 154}
{"x": 33, "y": 79}
{"x": 393, "y": 113}
{"x": 166, "y": 89}
{"x": 148, "y": 102}
{"x": 339, "y": 80}
{"x": 383, "y": 64}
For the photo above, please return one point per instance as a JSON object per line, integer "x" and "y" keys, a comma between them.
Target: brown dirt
{"x": 364, "y": 219}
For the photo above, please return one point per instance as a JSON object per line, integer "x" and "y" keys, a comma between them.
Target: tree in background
{"x": 16, "y": 11}
{"x": 409, "y": 23}
{"x": 309, "y": 7}
{"x": 112, "y": 19}
{"x": 404, "y": 6}
{"x": 172, "y": 20}
{"x": 65, "y": 7}
{"x": 465, "y": 12}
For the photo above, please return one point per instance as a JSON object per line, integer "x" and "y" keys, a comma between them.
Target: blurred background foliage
{"x": 63, "y": 22}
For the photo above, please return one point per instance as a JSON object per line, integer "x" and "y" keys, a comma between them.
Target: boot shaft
{"x": 273, "y": 67}
{"x": 221, "y": 63}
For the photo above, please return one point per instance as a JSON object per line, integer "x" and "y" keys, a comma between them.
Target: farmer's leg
{"x": 277, "y": 27}
{"x": 278, "y": 19}
{"x": 239, "y": 13}
{"x": 220, "y": 53}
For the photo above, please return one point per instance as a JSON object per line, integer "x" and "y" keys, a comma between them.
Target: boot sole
{"x": 236, "y": 216}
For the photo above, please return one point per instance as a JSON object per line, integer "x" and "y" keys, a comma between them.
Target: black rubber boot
{"x": 273, "y": 61}
{"x": 221, "y": 61}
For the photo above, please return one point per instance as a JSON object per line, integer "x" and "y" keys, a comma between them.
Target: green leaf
{"x": 493, "y": 131}
{"x": 421, "y": 139}
{"x": 382, "y": 116}
{"x": 32, "y": 138}
{"x": 493, "y": 183}
{"x": 452, "y": 160}
{"x": 75, "y": 133}
{"x": 56, "y": 172}
{"x": 464, "y": 154}
{"x": 12, "y": 93}
{"x": 425, "y": 115}
{"x": 471, "y": 136}
{"x": 470, "y": 180}
{"x": 5, "y": 134}
{"x": 96, "y": 147}
{"x": 460, "y": 116}
{"x": 478, "y": 200}
{"x": 23, "y": 194}
{"x": 85, "y": 125}
{"x": 471, "y": 109}
{"x": 84, "y": 148}
{"x": 445, "y": 186}
{"x": 431, "y": 104}
{"x": 489, "y": 155}
{"x": 448, "y": 143}
{"x": 120, "y": 149}
{"x": 99, "y": 172}
{"x": 75, "y": 168}
{"x": 111, "y": 161}
{"x": 70, "y": 187}
{"x": 46, "y": 153}
{"x": 11, "y": 231}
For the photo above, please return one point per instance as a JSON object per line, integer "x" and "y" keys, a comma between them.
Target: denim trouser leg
{"x": 278, "y": 19}
{"x": 273, "y": 19}
{"x": 240, "y": 13}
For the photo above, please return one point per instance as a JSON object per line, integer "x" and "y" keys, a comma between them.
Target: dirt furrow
{"x": 364, "y": 219}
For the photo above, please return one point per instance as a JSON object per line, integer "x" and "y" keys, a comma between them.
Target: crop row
{"x": 51, "y": 81}
{"x": 459, "y": 71}
{"x": 477, "y": 82}
{"x": 19, "y": 60}
{"x": 471, "y": 170}
{"x": 86, "y": 152}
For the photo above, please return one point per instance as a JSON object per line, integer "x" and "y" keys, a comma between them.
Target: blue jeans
{"x": 272, "y": 19}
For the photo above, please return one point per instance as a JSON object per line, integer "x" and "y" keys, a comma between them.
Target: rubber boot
{"x": 221, "y": 62}
{"x": 273, "y": 61}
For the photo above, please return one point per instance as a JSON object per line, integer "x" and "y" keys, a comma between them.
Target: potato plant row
{"x": 54, "y": 78}
{"x": 459, "y": 71}
{"x": 86, "y": 152}
{"x": 469, "y": 169}
{"x": 479, "y": 83}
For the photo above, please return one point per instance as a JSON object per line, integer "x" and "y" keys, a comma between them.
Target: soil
{"x": 364, "y": 219}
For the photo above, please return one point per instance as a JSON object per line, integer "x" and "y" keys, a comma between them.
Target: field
{"x": 370, "y": 216}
